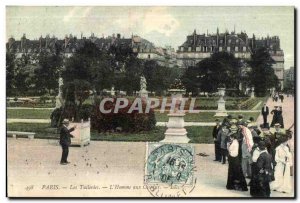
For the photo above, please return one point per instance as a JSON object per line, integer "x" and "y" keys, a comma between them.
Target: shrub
{"x": 128, "y": 122}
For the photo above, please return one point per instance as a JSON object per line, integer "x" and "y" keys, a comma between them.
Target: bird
{"x": 202, "y": 154}
{"x": 97, "y": 172}
{"x": 75, "y": 165}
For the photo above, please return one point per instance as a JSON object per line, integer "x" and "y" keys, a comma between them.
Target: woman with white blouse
{"x": 236, "y": 179}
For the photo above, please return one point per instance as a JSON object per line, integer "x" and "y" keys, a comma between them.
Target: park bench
{"x": 14, "y": 134}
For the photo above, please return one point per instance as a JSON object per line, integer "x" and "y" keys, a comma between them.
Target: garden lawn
{"x": 197, "y": 134}
{"x": 29, "y": 113}
{"x": 203, "y": 116}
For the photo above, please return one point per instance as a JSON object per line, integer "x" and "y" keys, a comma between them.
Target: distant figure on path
{"x": 65, "y": 141}
{"x": 215, "y": 132}
{"x": 265, "y": 113}
{"x": 281, "y": 97}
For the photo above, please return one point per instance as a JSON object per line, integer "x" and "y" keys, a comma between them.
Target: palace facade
{"x": 200, "y": 46}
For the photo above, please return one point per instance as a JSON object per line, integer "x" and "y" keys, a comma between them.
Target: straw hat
{"x": 66, "y": 121}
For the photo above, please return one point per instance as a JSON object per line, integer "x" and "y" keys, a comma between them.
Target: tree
{"x": 47, "y": 72}
{"x": 159, "y": 78}
{"x": 10, "y": 73}
{"x": 221, "y": 69}
{"x": 83, "y": 72}
{"x": 262, "y": 75}
{"x": 130, "y": 78}
{"x": 23, "y": 75}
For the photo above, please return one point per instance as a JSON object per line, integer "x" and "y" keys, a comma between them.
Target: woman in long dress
{"x": 235, "y": 179}
{"x": 280, "y": 117}
{"x": 283, "y": 158}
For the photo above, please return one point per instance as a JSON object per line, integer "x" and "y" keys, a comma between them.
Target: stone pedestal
{"x": 221, "y": 109}
{"x": 143, "y": 93}
{"x": 58, "y": 101}
{"x": 252, "y": 92}
{"x": 176, "y": 133}
{"x": 82, "y": 133}
{"x": 221, "y": 112}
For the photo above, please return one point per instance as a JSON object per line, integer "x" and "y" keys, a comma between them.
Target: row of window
{"x": 221, "y": 41}
{"x": 212, "y": 48}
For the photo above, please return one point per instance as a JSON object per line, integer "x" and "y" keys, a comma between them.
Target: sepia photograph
{"x": 150, "y": 102}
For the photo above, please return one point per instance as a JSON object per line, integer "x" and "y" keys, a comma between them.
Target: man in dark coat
{"x": 215, "y": 137}
{"x": 65, "y": 141}
{"x": 265, "y": 113}
{"x": 265, "y": 171}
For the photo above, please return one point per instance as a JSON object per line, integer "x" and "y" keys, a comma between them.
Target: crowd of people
{"x": 261, "y": 155}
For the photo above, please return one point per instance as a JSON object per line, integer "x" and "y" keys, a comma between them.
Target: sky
{"x": 160, "y": 25}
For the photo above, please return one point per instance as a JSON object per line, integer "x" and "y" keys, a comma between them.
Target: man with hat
{"x": 65, "y": 141}
{"x": 255, "y": 136}
{"x": 223, "y": 136}
{"x": 215, "y": 137}
{"x": 265, "y": 113}
{"x": 240, "y": 118}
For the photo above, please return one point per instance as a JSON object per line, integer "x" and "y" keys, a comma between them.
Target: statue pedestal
{"x": 176, "y": 133}
{"x": 143, "y": 93}
{"x": 252, "y": 95}
{"x": 58, "y": 101}
{"x": 221, "y": 108}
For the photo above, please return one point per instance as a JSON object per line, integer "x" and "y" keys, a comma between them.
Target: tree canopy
{"x": 262, "y": 75}
{"x": 221, "y": 69}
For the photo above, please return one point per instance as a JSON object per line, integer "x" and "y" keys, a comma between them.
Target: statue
{"x": 143, "y": 90}
{"x": 143, "y": 83}
{"x": 59, "y": 100}
{"x": 112, "y": 91}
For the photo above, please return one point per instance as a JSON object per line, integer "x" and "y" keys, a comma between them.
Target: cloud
{"x": 160, "y": 20}
{"x": 77, "y": 12}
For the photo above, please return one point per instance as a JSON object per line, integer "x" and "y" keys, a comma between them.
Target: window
{"x": 237, "y": 41}
{"x": 181, "y": 48}
{"x": 236, "y": 49}
{"x": 190, "y": 48}
{"x": 228, "y": 48}
{"x": 244, "y": 48}
{"x": 229, "y": 41}
{"x": 198, "y": 49}
{"x": 220, "y": 49}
